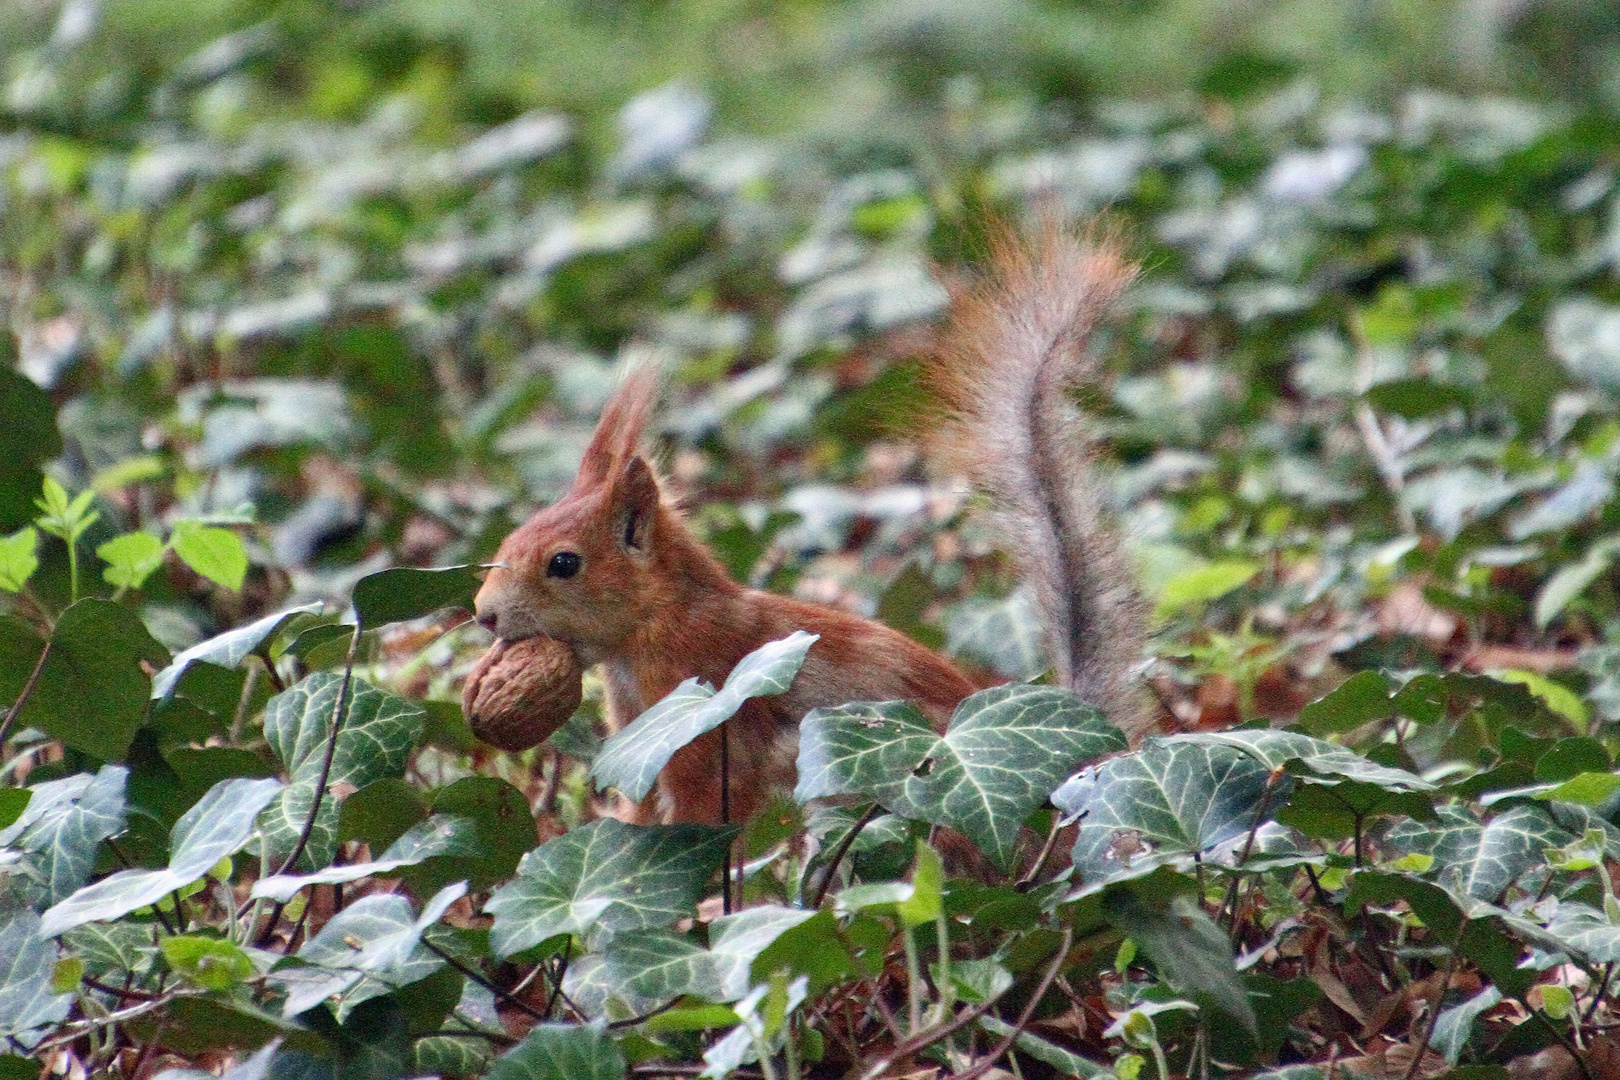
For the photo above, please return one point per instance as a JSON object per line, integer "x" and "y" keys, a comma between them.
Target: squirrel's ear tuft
{"x": 635, "y": 504}
{"x": 618, "y": 432}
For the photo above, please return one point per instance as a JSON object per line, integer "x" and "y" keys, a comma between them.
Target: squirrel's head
{"x": 578, "y": 570}
{"x": 584, "y": 570}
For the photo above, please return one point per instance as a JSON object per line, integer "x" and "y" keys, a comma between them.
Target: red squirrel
{"x": 611, "y": 570}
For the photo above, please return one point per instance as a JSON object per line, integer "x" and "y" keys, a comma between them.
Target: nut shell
{"x": 519, "y": 692}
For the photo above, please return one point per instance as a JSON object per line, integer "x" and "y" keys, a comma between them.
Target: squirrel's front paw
{"x": 519, "y": 692}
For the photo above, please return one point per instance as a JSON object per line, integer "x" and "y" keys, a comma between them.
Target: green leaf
{"x": 27, "y": 960}
{"x": 364, "y": 951}
{"x": 229, "y": 649}
{"x": 1570, "y": 581}
{"x": 441, "y": 834}
{"x": 561, "y": 1052}
{"x": 1587, "y": 789}
{"x": 1198, "y": 586}
{"x": 1360, "y": 699}
{"x": 215, "y": 553}
{"x": 406, "y": 592}
{"x": 1163, "y": 804}
{"x": 1454, "y": 1026}
{"x": 736, "y": 941}
{"x": 1335, "y": 811}
{"x": 115, "y": 951}
{"x": 379, "y": 731}
{"x": 659, "y": 966}
{"x": 28, "y": 438}
{"x": 1480, "y": 859}
{"x": 61, "y": 829}
{"x": 451, "y": 1055}
{"x": 1004, "y": 751}
{"x": 93, "y": 691}
{"x": 1066, "y": 1062}
{"x": 1560, "y": 699}
{"x": 131, "y": 559}
{"x": 925, "y": 903}
{"x": 633, "y": 757}
{"x": 604, "y": 878}
{"x": 1191, "y": 953}
{"x": 506, "y": 830}
{"x": 211, "y": 963}
{"x": 217, "y": 826}
{"x": 1277, "y": 749}
{"x": 17, "y": 559}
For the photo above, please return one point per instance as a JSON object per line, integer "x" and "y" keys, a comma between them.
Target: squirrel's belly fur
{"x": 612, "y": 570}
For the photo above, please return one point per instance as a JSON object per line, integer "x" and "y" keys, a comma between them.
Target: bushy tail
{"x": 1018, "y": 342}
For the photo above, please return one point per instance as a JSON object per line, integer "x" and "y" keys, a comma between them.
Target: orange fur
{"x": 655, "y": 607}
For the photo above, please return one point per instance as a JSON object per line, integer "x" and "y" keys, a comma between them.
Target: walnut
{"x": 519, "y": 692}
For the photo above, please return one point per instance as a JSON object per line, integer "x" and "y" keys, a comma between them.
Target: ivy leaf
{"x": 735, "y": 941}
{"x": 228, "y": 649}
{"x": 407, "y": 592}
{"x": 1277, "y": 749}
{"x": 1066, "y": 1062}
{"x": 1164, "y": 804}
{"x": 1360, "y": 699}
{"x": 1005, "y": 750}
{"x": 379, "y": 730}
{"x": 17, "y": 559}
{"x": 562, "y": 1052}
{"x": 604, "y": 878}
{"x": 131, "y": 559}
{"x": 217, "y": 826}
{"x": 450, "y": 1055}
{"x": 1454, "y": 1026}
{"x": 93, "y": 691}
{"x": 1478, "y": 859}
{"x": 62, "y": 827}
{"x": 632, "y": 758}
{"x": 364, "y": 951}
{"x": 441, "y": 834}
{"x": 215, "y": 553}
{"x": 114, "y": 951}
{"x": 27, "y": 959}
{"x": 1190, "y": 951}
{"x": 660, "y": 966}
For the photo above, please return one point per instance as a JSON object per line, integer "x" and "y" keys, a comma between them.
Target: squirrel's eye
{"x": 563, "y": 564}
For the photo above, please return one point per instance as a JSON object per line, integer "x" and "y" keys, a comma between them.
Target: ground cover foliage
{"x": 297, "y": 331}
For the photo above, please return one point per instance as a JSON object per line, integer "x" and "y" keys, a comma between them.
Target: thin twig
{"x": 1429, "y": 1020}
{"x": 841, "y": 850}
{"x": 84, "y": 1027}
{"x": 934, "y": 1034}
{"x": 1028, "y": 879}
{"x": 644, "y": 1017}
{"x": 983, "y": 1065}
{"x": 24, "y": 694}
{"x": 506, "y": 995}
{"x": 1230, "y": 903}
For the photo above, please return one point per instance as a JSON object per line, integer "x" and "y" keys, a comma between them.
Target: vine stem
{"x": 331, "y": 753}
{"x": 24, "y": 694}
{"x": 725, "y": 816}
{"x": 841, "y": 850}
{"x": 983, "y": 1065}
